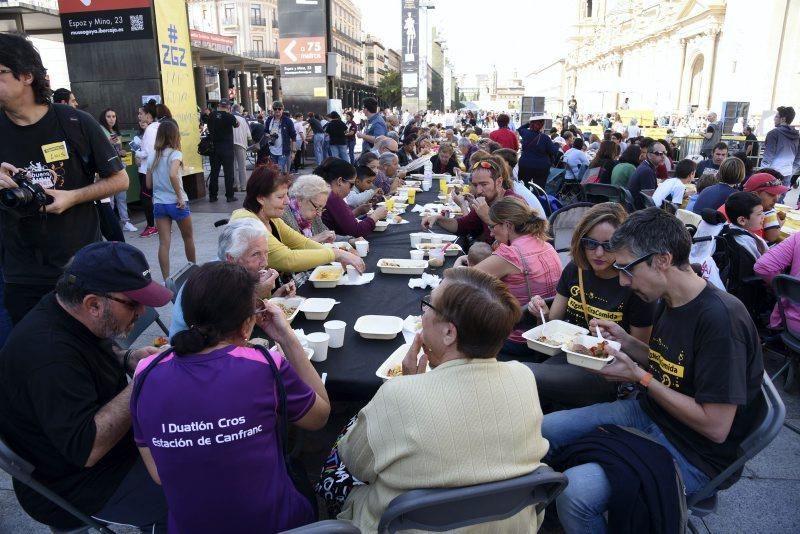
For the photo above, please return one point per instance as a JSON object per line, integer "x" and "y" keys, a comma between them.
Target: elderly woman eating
{"x": 289, "y": 251}
{"x": 307, "y": 198}
{"x": 453, "y": 425}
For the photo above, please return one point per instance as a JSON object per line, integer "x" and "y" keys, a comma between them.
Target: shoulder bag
{"x": 583, "y": 296}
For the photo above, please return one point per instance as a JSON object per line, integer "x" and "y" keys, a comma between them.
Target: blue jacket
{"x": 288, "y": 134}
{"x": 376, "y": 127}
{"x": 538, "y": 149}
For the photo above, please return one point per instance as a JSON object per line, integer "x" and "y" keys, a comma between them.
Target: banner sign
{"x": 302, "y": 43}
{"x": 177, "y": 77}
{"x": 105, "y": 20}
{"x": 409, "y": 65}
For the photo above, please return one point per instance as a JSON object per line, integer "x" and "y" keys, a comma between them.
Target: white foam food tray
{"x": 395, "y": 362}
{"x": 290, "y": 306}
{"x": 557, "y": 332}
{"x": 317, "y": 309}
{"x": 381, "y": 226}
{"x": 326, "y": 276}
{"x": 427, "y": 236}
{"x": 402, "y": 266}
{"x": 452, "y": 250}
{"x": 343, "y": 245}
{"x": 582, "y": 360}
{"x": 378, "y": 326}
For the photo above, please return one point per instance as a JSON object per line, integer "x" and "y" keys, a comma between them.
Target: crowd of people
{"x": 198, "y": 431}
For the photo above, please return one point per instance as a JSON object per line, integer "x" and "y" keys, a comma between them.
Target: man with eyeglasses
{"x": 279, "y": 137}
{"x": 64, "y": 394}
{"x": 644, "y": 177}
{"x": 700, "y": 375}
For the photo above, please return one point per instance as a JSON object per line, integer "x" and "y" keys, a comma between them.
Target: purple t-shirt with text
{"x": 210, "y": 422}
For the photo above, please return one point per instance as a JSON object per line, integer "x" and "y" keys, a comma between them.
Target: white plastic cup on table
{"x": 335, "y": 331}
{"x": 362, "y": 247}
{"x": 319, "y": 342}
{"x": 427, "y": 184}
{"x": 436, "y": 257}
{"x": 417, "y": 254}
{"x": 416, "y": 239}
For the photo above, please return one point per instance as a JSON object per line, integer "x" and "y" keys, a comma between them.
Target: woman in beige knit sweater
{"x": 469, "y": 420}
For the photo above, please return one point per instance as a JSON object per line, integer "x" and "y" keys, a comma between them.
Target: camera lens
{"x": 15, "y": 197}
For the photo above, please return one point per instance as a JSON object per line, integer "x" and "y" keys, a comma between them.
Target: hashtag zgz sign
{"x": 173, "y": 55}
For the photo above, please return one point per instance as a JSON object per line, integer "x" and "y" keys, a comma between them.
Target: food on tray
{"x": 388, "y": 263}
{"x": 429, "y": 246}
{"x": 288, "y": 311}
{"x": 160, "y": 341}
{"x": 548, "y": 341}
{"x": 598, "y": 351}
{"x": 435, "y": 262}
{"x": 397, "y": 370}
{"x": 328, "y": 275}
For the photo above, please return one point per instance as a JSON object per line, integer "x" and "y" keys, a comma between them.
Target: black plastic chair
{"x": 330, "y": 526}
{"x": 599, "y": 193}
{"x": 175, "y": 282}
{"x": 144, "y": 321}
{"x": 439, "y": 510}
{"x": 22, "y": 470}
{"x": 646, "y": 200}
{"x": 788, "y": 287}
{"x": 766, "y": 426}
{"x": 562, "y": 225}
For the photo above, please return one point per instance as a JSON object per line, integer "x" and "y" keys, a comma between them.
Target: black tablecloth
{"x": 351, "y": 368}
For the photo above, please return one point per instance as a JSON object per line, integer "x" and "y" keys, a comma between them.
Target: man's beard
{"x": 111, "y": 327}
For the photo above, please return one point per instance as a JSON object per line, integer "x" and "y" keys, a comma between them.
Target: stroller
{"x": 562, "y": 225}
{"x": 725, "y": 258}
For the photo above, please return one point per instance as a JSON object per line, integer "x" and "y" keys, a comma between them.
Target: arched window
{"x": 696, "y": 80}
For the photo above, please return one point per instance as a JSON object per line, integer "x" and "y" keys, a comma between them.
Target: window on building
{"x": 255, "y": 11}
{"x": 258, "y": 45}
{"x": 589, "y": 8}
{"x": 230, "y": 12}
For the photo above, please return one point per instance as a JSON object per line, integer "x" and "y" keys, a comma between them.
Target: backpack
{"x": 69, "y": 120}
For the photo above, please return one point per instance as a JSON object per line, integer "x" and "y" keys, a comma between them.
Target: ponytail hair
{"x": 523, "y": 218}
{"x": 216, "y": 301}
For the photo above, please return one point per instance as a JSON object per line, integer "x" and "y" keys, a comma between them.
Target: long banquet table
{"x": 351, "y": 368}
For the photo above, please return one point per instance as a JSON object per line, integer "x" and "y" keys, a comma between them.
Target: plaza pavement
{"x": 765, "y": 500}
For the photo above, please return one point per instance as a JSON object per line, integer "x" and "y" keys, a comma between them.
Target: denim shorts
{"x": 171, "y": 211}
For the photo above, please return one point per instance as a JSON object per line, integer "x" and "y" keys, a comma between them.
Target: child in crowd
{"x": 362, "y": 192}
{"x": 744, "y": 211}
{"x": 477, "y": 253}
{"x": 707, "y": 180}
{"x": 169, "y": 199}
{"x": 675, "y": 189}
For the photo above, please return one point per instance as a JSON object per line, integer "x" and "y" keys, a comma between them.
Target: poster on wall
{"x": 410, "y": 58}
{"x": 302, "y": 45}
{"x": 104, "y": 20}
{"x": 177, "y": 77}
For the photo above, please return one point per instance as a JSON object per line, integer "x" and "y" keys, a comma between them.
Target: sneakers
{"x": 128, "y": 227}
{"x": 150, "y": 230}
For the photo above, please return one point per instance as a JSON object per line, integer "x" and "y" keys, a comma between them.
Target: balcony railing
{"x": 261, "y": 54}
{"x": 274, "y": 23}
{"x": 258, "y": 21}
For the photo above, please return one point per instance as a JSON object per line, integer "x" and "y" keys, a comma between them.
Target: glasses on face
{"x": 491, "y": 226}
{"x": 320, "y": 209}
{"x": 628, "y": 269}
{"x": 6, "y": 71}
{"x": 659, "y": 153}
{"x": 131, "y": 304}
{"x": 592, "y": 244}
{"x": 277, "y": 109}
{"x": 425, "y": 303}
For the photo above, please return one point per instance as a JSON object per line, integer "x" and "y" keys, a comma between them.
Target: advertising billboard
{"x": 409, "y": 61}
{"x": 96, "y": 21}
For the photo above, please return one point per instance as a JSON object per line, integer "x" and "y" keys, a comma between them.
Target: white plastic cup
{"x": 319, "y": 342}
{"x": 416, "y": 239}
{"x": 435, "y": 258}
{"x": 335, "y": 330}
{"x": 417, "y": 254}
{"x": 362, "y": 247}
{"x": 426, "y": 185}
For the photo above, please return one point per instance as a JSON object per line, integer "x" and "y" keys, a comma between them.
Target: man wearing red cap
{"x": 64, "y": 396}
{"x": 768, "y": 188}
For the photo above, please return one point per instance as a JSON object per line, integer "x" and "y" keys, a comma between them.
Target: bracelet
{"x": 125, "y": 359}
{"x": 645, "y": 381}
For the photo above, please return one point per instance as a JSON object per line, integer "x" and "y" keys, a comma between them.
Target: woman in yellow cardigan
{"x": 289, "y": 251}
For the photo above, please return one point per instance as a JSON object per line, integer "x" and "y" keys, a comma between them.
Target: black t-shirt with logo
{"x": 708, "y": 349}
{"x": 55, "y": 375}
{"x": 36, "y": 248}
{"x": 221, "y": 125}
{"x": 605, "y": 299}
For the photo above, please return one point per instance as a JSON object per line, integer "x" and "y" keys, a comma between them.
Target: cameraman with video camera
{"x": 48, "y": 160}
{"x": 279, "y": 137}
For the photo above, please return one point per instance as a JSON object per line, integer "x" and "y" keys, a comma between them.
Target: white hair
{"x": 387, "y": 158}
{"x": 463, "y": 141}
{"x": 236, "y": 237}
{"x": 309, "y": 186}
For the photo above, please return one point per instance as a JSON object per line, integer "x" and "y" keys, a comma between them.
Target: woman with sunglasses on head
{"x": 290, "y": 251}
{"x": 524, "y": 261}
{"x": 589, "y": 288}
{"x": 338, "y": 216}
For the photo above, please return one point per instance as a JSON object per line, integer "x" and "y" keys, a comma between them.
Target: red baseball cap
{"x": 763, "y": 181}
